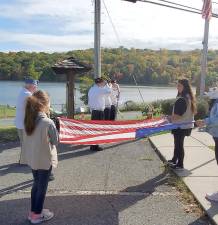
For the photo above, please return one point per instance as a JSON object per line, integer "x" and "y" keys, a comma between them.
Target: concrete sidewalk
{"x": 201, "y": 170}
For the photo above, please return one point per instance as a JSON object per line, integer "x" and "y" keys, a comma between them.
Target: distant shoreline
{"x": 123, "y": 84}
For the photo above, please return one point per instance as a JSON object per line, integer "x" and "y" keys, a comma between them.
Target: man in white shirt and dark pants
{"x": 96, "y": 102}
{"x": 29, "y": 87}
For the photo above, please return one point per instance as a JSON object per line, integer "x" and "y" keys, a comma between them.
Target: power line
{"x": 175, "y": 7}
{"x": 185, "y": 6}
{"x": 112, "y": 24}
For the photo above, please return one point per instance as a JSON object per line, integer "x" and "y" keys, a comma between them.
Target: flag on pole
{"x": 207, "y": 9}
{"x": 92, "y": 132}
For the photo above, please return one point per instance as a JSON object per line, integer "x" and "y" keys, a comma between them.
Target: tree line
{"x": 149, "y": 67}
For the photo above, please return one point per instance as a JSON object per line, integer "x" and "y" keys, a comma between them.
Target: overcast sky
{"x": 64, "y": 25}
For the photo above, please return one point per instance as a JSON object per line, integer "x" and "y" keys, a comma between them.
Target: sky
{"x": 64, "y": 25}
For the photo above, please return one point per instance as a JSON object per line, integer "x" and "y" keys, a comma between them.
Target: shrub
{"x": 146, "y": 109}
{"x": 202, "y": 108}
{"x": 167, "y": 106}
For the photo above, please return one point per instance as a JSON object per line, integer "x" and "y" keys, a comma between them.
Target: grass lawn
{"x": 7, "y": 111}
{"x": 8, "y": 134}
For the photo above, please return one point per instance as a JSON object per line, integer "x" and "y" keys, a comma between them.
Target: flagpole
{"x": 97, "y": 39}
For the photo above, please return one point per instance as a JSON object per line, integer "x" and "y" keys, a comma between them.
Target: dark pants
{"x": 107, "y": 113}
{"x": 113, "y": 113}
{"x": 96, "y": 115}
{"x": 178, "y": 156}
{"x": 39, "y": 189}
{"x": 216, "y": 148}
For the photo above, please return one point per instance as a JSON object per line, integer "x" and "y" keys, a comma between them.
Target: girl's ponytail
{"x": 31, "y": 113}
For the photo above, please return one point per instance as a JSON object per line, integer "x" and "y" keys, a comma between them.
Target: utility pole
{"x": 97, "y": 41}
{"x": 206, "y": 14}
{"x": 204, "y": 57}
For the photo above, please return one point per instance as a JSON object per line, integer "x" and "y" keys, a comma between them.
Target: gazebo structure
{"x": 70, "y": 67}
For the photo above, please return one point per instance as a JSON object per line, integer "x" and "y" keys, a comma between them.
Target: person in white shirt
{"x": 115, "y": 95}
{"x": 96, "y": 102}
{"x": 29, "y": 87}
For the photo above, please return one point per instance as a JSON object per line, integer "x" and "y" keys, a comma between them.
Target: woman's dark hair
{"x": 38, "y": 102}
{"x": 187, "y": 93}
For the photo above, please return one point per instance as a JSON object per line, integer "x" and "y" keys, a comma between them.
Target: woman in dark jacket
{"x": 183, "y": 114}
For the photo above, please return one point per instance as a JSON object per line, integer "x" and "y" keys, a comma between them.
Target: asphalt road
{"x": 125, "y": 184}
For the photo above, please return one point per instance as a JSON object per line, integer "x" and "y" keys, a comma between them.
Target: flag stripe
{"x": 91, "y": 132}
{"x": 207, "y": 9}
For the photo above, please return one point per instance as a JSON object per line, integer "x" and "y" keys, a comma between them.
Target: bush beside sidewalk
{"x": 201, "y": 171}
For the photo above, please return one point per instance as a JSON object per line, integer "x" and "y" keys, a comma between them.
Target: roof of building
{"x": 71, "y": 64}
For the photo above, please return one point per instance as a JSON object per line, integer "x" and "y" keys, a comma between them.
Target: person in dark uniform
{"x": 183, "y": 113}
{"x": 96, "y": 102}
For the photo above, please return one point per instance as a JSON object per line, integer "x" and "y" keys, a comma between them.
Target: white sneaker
{"x": 212, "y": 197}
{"x": 44, "y": 216}
{"x": 31, "y": 213}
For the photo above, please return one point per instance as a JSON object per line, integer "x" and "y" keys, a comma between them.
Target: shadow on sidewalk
{"x": 71, "y": 209}
{"x": 72, "y": 151}
{"x": 9, "y": 145}
{"x": 150, "y": 185}
{"x": 213, "y": 210}
{"x": 14, "y": 168}
{"x": 64, "y": 152}
{"x": 201, "y": 221}
{"x": 16, "y": 187}
{"x": 81, "y": 209}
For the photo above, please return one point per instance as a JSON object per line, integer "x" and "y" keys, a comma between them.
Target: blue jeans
{"x": 39, "y": 189}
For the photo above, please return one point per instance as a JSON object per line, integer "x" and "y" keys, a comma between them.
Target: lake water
{"x": 10, "y": 89}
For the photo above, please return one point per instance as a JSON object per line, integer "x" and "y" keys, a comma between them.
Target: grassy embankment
{"x": 7, "y": 111}
{"x": 8, "y": 134}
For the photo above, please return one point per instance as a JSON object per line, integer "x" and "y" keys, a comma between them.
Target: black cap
{"x": 98, "y": 80}
{"x": 29, "y": 80}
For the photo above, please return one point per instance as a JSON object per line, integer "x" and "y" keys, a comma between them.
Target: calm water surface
{"x": 10, "y": 89}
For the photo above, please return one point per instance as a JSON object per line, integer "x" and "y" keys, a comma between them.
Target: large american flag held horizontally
{"x": 91, "y": 132}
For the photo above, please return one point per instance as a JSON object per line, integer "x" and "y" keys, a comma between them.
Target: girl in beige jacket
{"x": 40, "y": 140}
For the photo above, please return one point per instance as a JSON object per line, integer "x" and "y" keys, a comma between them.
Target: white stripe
{"x": 105, "y": 137}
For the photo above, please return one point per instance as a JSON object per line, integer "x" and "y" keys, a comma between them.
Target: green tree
{"x": 32, "y": 72}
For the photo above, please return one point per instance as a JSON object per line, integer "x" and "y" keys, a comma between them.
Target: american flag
{"x": 92, "y": 132}
{"x": 207, "y": 9}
